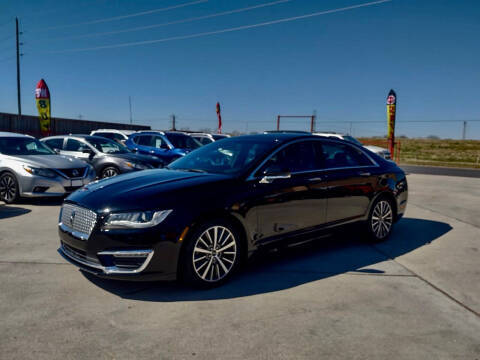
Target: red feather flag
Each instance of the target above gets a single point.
(219, 115)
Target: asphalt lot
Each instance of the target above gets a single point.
(416, 296)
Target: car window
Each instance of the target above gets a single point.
(183, 141)
(106, 146)
(23, 146)
(75, 145)
(336, 155)
(224, 157)
(55, 143)
(145, 140)
(158, 142)
(296, 157)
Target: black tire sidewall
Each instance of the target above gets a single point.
(371, 236)
(17, 189)
(186, 272)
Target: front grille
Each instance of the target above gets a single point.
(73, 173)
(80, 256)
(78, 220)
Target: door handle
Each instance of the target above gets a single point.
(315, 179)
(366, 173)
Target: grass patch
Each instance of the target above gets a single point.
(454, 153)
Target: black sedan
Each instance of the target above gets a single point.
(200, 218)
(109, 158)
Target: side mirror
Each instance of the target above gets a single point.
(272, 173)
(56, 150)
(89, 152)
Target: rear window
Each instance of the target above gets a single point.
(183, 141)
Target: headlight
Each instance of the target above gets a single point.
(40, 171)
(135, 220)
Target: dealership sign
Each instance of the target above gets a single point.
(42, 98)
(219, 115)
(391, 114)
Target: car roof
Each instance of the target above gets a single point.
(11, 134)
(149, 132)
(126, 132)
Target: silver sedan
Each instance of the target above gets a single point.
(29, 168)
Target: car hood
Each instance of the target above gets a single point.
(375, 149)
(147, 189)
(50, 161)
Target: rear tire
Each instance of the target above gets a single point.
(212, 254)
(380, 220)
(9, 191)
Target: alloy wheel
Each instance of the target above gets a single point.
(214, 253)
(109, 172)
(382, 219)
(8, 188)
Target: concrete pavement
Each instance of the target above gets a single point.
(415, 296)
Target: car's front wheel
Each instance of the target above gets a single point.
(212, 254)
(9, 191)
(110, 171)
(380, 220)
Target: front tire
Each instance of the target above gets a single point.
(380, 220)
(212, 254)
(109, 171)
(9, 191)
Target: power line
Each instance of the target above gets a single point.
(126, 16)
(238, 28)
(182, 21)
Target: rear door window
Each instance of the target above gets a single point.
(337, 155)
(145, 140)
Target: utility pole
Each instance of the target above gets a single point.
(464, 132)
(17, 34)
(130, 107)
(314, 125)
(173, 122)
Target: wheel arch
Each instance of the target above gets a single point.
(389, 196)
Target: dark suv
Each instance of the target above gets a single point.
(168, 146)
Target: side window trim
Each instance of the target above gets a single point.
(374, 163)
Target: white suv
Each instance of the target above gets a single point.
(376, 149)
(117, 135)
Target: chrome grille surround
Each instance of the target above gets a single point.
(77, 221)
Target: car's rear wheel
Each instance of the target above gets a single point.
(212, 255)
(380, 220)
(110, 171)
(9, 191)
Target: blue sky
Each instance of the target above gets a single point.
(341, 64)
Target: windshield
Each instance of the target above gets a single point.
(183, 141)
(23, 146)
(229, 156)
(107, 146)
(352, 140)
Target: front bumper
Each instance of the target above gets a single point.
(123, 255)
(39, 186)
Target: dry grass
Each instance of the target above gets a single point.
(456, 153)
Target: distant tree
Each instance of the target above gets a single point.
(403, 137)
(205, 130)
(184, 128)
(433, 137)
(253, 132)
(235, 133)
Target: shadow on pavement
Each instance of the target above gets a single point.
(291, 267)
(7, 211)
(46, 201)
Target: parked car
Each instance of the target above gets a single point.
(120, 136)
(168, 146)
(200, 218)
(220, 136)
(203, 138)
(28, 168)
(376, 149)
(108, 157)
